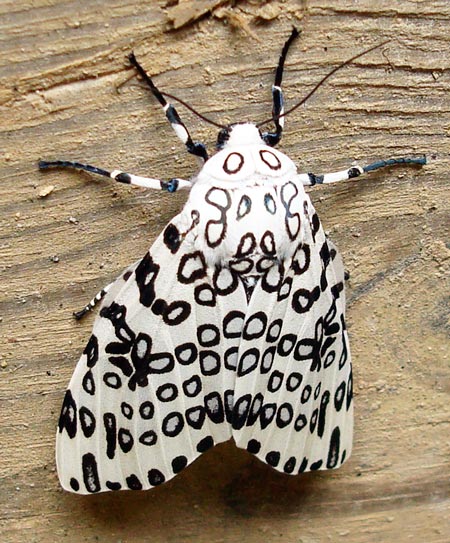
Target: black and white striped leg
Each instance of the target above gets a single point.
(311, 179)
(195, 148)
(122, 177)
(90, 306)
(272, 138)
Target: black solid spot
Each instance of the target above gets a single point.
(148, 438)
(294, 381)
(209, 362)
(167, 392)
(133, 482)
(111, 485)
(349, 390)
(255, 326)
(120, 362)
(337, 289)
(125, 440)
(248, 361)
(240, 411)
(303, 465)
(146, 273)
(204, 295)
(191, 268)
(316, 465)
(155, 477)
(127, 275)
(289, 466)
(159, 306)
(323, 413)
(123, 177)
(109, 421)
(273, 458)
(127, 410)
(74, 484)
(195, 416)
(87, 421)
(186, 353)
(172, 424)
(172, 238)
(193, 386)
(233, 324)
(179, 463)
(90, 473)
(267, 414)
(275, 381)
(214, 407)
(315, 222)
(205, 444)
(88, 383)
(68, 416)
(253, 446)
(285, 415)
(353, 172)
(208, 335)
(146, 410)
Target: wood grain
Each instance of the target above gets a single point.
(60, 66)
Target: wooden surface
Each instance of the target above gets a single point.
(61, 64)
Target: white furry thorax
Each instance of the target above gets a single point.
(246, 191)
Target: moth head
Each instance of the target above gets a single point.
(239, 134)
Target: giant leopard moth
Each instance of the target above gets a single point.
(231, 326)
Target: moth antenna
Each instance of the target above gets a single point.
(322, 81)
(192, 110)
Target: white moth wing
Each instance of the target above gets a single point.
(293, 395)
(154, 387)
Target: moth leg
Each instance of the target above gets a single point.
(90, 306)
(272, 138)
(195, 148)
(122, 177)
(310, 179)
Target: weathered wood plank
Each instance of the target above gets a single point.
(60, 64)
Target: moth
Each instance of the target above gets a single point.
(231, 326)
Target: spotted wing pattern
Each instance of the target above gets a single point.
(154, 386)
(293, 394)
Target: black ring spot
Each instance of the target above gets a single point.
(231, 170)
